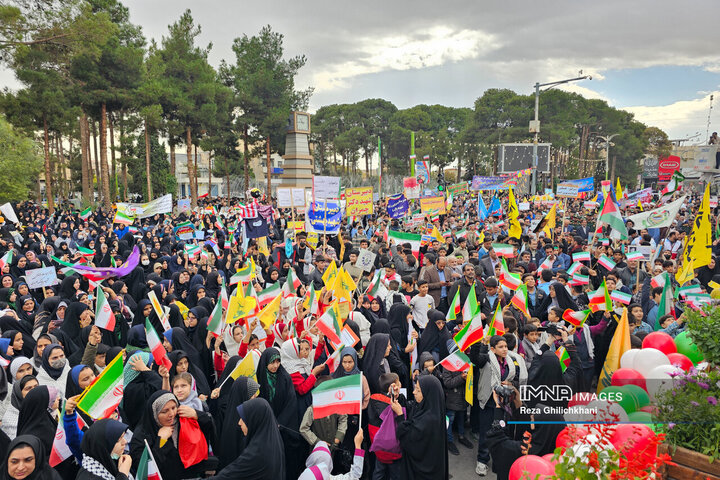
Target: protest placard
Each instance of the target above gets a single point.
(432, 205)
(325, 188)
(358, 201)
(41, 277)
(365, 260)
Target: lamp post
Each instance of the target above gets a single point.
(607, 151)
(535, 124)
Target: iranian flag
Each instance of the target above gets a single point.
(461, 233)
(333, 361)
(292, 283)
(606, 262)
(658, 280)
(470, 334)
(376, 286)
(497, 324)
(122, 218)
(456, 362)
(86, 252)
(156, 347)
(192, 250)
(600, 299)
(60, 449)
(577, 319)
(610, 214)
(574, 268)
(85, 214)
(581, 279)
(342, 396)
(690, 289)
(147, 468)
(504, 250)
(311, 302)
(621, 297)
(330, 324)
(104, 395)
(545, 265)
(244, 275)
(215, 322)
(666, 302)
(470, 308)
(267, 295)
(564, 357)
(104, 317)
(581, 257)
(6, 260)
(403, 237)
(637, 256)
(455, 306)
(520, 299)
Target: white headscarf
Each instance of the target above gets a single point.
(290, 358)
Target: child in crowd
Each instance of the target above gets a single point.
(421, 303)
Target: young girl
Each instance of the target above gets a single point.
(183, 386)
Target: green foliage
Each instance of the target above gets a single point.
(703, 332)
(162, 181)
(691, 413)
(19, 162)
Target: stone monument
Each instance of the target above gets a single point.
(298, 161)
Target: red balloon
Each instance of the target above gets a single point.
(660, 340)
(628, 376)
(533, 465)
(549, 458)
(563, 439)
(632, 439)
(577, 399)
(680, 360)
(648, 409)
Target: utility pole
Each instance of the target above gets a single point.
(607, 151)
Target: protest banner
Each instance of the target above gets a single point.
(397, 206)
(183, 205)
(457, 188)
(9, 213)
(567, 190)
(162, 204)
(41, 277)
(326, 188)
(411, 187)
(584, 184)
(359, 201)
(432, 205)
(365, 260)
(324, 217)
(422, 172)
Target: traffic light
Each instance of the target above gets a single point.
(441, 181)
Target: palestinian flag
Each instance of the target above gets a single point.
(621, 297)
(471, 307)
(244, 275)
(403, 237)
(610, 214)
(574, 318)
(86, 252)
(455, 307)
(147, 468)
(574, 268)
(504, 250)
(520, 299)
(156, 347)
(497, 325)
(6, 260)
(342, 396)
(637, 256)
(581, 257)
(215, 322)
(104, 316)
(104, 395)
(267, 295)
(456, 362)
(674, 185)
(564, 357)
(85, 214)
(122, 218)
(470, 334)
(330, 324)
(606, 262)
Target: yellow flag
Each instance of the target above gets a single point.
(640, 206)
(436, 235)
(330, 275)
(240, 307)
(263, 246)
(183, 309)
(515, 228)
(469, 386)
(268, 315)
(699, 246)
(344, 285)
(245, 368)
(686, 273)
(481, 237)
(550, 223)
(619, 344)
(618, 190)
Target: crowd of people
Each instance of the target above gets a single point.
(199, 421)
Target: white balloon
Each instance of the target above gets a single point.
(648, 358)
(577, 413)
(627, 359)
(661, 378)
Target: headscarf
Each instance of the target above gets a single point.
(340, 370)
(277, 331)
(42, 471)
(16, 398)
(319, 463)
(37, 359)
(54, 373)
(137, 337)
(278, 389)
(232, 440)
(290, 358)
(35, 416)
(563, 298)
(71, 323)
(72, 386)
(399, 328)
(545, 370)
(433, 338)
(202, 384)
(98, 442)
(192, 400)
(17, 363)
(374, 361)
(129, 373)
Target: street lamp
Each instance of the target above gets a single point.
(535, 124)
(607, 150)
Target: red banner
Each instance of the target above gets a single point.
(667, 167)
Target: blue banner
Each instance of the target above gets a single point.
(325, 216)
(490, 183)
(584, 184)
(397, 206)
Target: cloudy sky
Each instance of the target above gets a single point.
(656, 58)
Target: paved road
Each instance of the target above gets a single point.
(462, 467)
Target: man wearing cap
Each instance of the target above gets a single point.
(302, 255)
(390, 274)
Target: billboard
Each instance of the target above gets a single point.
(650, 168)
(518, 156)
(667, 166)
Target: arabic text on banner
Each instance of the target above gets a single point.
(432, 205)
(359, 201)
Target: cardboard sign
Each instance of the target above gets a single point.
(326, 187)
(359, 201)
(41, 277)
(567, 190)
(366, 260)
(646, 250)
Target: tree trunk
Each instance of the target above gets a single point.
(197, 189)
(123, 160)
(148, 172)
(112, 158)
(103, 157)
(245, 157)
(70, 188)
(210, 162)
(227, 181)
(190, 169)
(459, 175)
(367, 163)
(95, 149)
(48, 170)
(612, 170)
(84, 160)
(269, 168)
(60, 166)
(172, 159)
